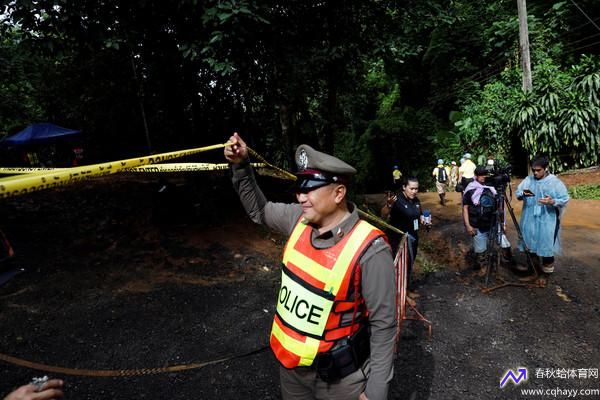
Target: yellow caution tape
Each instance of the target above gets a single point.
(20, 170)
(167, 167)
(36, 179)
(285, 174)
(378, 221)
(186, 167)
(23, 184)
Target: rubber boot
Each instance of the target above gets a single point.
(548, 268)
(442, 195)
(547, 271)
(482, 262)
(535, 260)
(508, 259)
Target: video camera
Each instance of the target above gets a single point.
(498, 176)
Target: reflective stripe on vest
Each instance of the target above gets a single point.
(312, 281)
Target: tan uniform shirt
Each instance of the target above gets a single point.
(436, 172)
(467, 169)
(377, 280)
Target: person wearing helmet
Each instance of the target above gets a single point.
(441, 175)
(466, 172)
(490, 164)
(396, 178)
(453, 175)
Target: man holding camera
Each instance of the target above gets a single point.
(544, 199)
(479, 215)
(335, 322)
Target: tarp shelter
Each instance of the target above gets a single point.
(43, 145)
(39, 134)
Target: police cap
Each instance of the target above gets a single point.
(316, 169)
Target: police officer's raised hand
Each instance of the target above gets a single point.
(238, 151)
(49, 391)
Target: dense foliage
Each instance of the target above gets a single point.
(377, 82)
(587, 192)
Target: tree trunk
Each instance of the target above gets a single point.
(524, 46)
(327, 138)
(286, 157)
(140, 96)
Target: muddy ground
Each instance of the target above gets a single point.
(120, 277)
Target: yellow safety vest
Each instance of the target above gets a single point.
(314, 294)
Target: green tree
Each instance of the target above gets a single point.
(562, 117)
(344, 76)
(20, 103)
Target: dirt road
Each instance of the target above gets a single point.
(112, 282)
(480, 336)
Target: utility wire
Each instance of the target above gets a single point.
(581, 40)
(482, 74)
(576, 28)
(488, 77)
(583, 47)
(583, 12)
(485, 76)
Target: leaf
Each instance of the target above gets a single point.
(216, 37)
(224, 16)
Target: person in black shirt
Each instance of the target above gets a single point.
(405, 213)
(479, 214)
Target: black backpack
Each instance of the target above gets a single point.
(442, 175)
(482, 215)
(486, 208)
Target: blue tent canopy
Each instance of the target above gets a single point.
(38, 133)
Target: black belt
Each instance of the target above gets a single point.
(346, 357)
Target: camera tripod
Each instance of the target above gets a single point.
(494, 244)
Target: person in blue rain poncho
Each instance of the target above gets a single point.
(544, 199)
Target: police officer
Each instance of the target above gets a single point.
(334, 328)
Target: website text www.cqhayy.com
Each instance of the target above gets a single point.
(558, 392)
